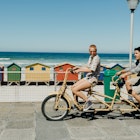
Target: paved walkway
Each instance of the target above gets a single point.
(24, 121)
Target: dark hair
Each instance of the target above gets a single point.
(137, 49)
(137, 62)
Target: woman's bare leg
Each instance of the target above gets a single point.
(76, 84)
(81, 86)
(128, 85)
(136, 96)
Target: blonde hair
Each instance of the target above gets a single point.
(93, 46)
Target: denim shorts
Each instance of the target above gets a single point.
(91, 79)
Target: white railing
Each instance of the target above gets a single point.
(22, 89)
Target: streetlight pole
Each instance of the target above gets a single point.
(131, 37)
(132, 6)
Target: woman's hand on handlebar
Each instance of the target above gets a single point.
(74, 70)
(118, 73)
(121, 75)
(119, 80)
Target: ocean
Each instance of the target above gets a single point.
(52, 58)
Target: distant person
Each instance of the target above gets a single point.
(130, 83)
(92, 69)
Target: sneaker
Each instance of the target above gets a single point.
(130, 99)
(87, 105)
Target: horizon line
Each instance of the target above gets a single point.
(61, 52)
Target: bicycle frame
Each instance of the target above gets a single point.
(108, 106)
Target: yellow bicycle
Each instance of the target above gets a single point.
(59, 103)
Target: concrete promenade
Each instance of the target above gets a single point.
(24, 121)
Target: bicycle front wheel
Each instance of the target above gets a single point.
(50, 112)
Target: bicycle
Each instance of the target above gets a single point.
(59, 103)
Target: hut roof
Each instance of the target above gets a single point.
(117, 65)
(37, 64)
(12, 65)
(65, 63)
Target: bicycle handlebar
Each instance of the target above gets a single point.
(115, 77)
(117, 81)
(66, 75)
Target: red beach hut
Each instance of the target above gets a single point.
(60, 73)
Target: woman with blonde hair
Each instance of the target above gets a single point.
(92, 69)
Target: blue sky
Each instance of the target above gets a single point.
(67, 25)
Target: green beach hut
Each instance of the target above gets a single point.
(13, 74)
(117, 67)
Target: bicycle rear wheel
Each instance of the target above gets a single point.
(50, 112)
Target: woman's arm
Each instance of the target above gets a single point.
(82, 69)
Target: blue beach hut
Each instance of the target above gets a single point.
(102, 70)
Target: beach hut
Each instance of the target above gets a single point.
(37, 73)
(60, 73)
(13, 74)
(1, 73)
(117, 67)
(102, 70)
